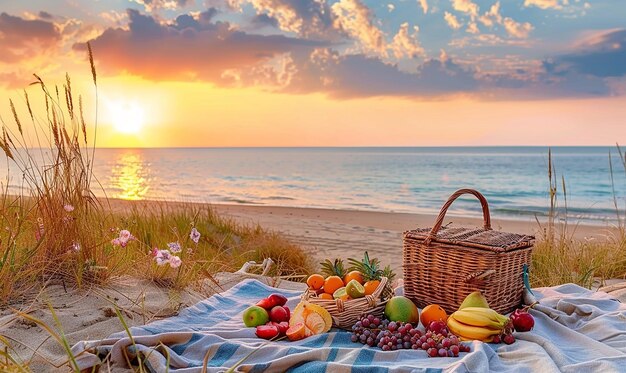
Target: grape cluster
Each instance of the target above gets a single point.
(391, 336)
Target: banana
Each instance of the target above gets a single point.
(478, 316)
(471, 332)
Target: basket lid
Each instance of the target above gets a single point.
(480, 238)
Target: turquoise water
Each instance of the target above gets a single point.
(514, 179)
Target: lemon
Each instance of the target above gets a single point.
(355, 290)
(341, 294)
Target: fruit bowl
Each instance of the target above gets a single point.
(346, 313)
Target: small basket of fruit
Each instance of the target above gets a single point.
(443, 264)
(348, 294)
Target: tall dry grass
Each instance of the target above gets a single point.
(56, 229)
(560, 258)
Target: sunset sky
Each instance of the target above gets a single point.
(328, 72)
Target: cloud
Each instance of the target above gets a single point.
(357, 20)
(517, 29)
(190, 48)
(603, 55)
(405, 44)
(544, 4)
(452, 21)
(263, 20)
(492, 16)
(22, 39)
(391, 7)
(303, 17)
(472, 28)
(45, 15)
(358, 75)
(465, 6)
(424, 5)
(157, 5)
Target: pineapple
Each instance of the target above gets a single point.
(370, 268)
(333, 269)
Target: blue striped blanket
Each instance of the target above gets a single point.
(576, 330)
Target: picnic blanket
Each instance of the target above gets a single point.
(576, 330)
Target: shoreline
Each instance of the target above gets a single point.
(330, 233)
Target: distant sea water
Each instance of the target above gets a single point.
(413, 180)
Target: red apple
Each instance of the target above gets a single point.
(277, 299)
(288, 312)
(278, 314)
(265, 303)
(267, 331)
(523, 322)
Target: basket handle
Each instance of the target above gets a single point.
(444, 209)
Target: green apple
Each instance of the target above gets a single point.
(255, 316)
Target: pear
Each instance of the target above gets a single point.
(475, 299)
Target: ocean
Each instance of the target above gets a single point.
(413, 180)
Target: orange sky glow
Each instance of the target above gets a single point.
(271, 90)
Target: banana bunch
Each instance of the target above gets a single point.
(477, 323)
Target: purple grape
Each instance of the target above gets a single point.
(425, 346)
(442, 352)
(455, 350)
(365, 323)
(392, 326)
(432, 352)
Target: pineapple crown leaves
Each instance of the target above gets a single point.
(389, 273)
(335, 268)
(370, 268)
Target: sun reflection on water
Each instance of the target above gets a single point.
(129, 176)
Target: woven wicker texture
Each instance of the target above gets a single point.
(443, 265)
(347, 313)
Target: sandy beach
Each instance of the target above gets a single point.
(333, 233)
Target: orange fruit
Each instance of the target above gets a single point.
(433, 312)
(315, 281)
(315, 319)
(332, 283)
(371, 286)
(326, 296)
(353, 275)
(296, 332)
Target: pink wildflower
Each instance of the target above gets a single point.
(174, 247)
(175, 261)
(68, 208)
(162, 257)
(123, 238)
(194, 235)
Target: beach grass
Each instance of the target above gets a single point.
(559, 257)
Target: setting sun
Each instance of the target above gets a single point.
(126, 117)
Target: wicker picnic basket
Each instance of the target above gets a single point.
(442, 265)
(347, 313)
